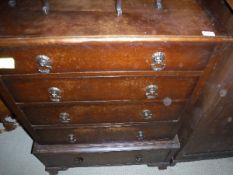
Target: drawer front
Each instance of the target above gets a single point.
(107, 154)
(161, 130)
(104, 158)
(106, 57)
(101, 113)
(106, 88)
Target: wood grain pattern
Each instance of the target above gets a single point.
(213, 109)
(109, 56)
(230, 2)
(140, 18)
(45, 114)
(156, 131)
(101, 63)
(31, 89)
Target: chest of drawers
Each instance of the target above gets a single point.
(95, 89)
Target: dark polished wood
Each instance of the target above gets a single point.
(34, 89)
(3, 110)
(117, 112)
(214, 109)
(106, 154)
(75, 19)
(102, 65)
(108, 56)
(118, 133)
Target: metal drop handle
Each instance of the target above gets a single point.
(72, 138)
(158, 61)
(12, 3)
(151, 91)
(44, 64)
(159, 4)
(54, 94)
(140, 135)
(147, 114)
(78, 160)
(45, 7)
(64, 117)
(139, 158)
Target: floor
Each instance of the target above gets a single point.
(15, 159)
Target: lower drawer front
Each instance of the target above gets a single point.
(101, 113)
(150, 153)
(110, 158)
(162, 130)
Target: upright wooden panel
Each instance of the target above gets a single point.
(211, 122)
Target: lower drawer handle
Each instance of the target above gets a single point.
(140, 135)
(72, 138)
(78, 160)
(139, 158)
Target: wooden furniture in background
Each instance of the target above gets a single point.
(6, 119)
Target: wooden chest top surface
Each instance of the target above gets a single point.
(88, 18)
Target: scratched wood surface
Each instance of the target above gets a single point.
(179, 17)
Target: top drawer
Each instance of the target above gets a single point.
(109, 56)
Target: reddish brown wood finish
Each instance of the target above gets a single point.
(14, 109)
(3, 110)
(31, 89)
(95, 18)
(45, 114)
(109, 56)
(156, 131)
(103, 62)
(210, 123)
(222, 13)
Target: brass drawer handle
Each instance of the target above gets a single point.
(158, 59)
(72, 138)
(44, 64)
(140, 135)
(64, 117)
(151, 91)
(55, 94)
(147, 114)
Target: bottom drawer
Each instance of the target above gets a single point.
(151, 153)
(97, 134)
